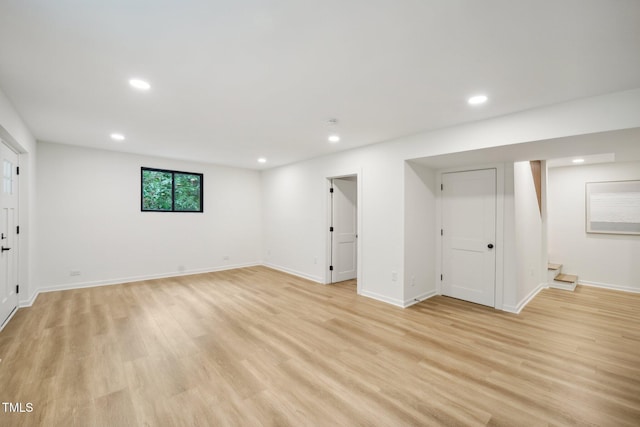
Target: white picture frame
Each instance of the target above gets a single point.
(613, 207)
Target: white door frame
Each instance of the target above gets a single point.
(499, 167)
(327, 198)
(345, 229)
(16, 244)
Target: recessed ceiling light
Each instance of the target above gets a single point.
(578, 160)
(139, 84)
(262, 160)
(117, 137)
(334, 138)
(477, 100)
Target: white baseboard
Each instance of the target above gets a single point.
(526, 300)
(294, 272)
(29, 301)
(392, 301)
(517, 309)
(609, 286)
(6, 321)
(373, 295)
(423, 296)
(108, 282)
(398, 303)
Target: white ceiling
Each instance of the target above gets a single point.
(236, 80)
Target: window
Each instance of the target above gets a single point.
(170, 191)
(8, 177)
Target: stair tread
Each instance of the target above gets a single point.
(566, 278)
(552, 266)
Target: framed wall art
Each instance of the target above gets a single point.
(613, 207)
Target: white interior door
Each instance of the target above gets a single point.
(8, 236)
(344, 247)
(469, 235)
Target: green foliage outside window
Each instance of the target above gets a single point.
(187, 193)
(171, 191)
(157, 187)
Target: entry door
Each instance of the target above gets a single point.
(8, 236)
(344, 247)
(469, 235)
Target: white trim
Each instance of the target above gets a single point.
(498, 301)
(383, 298)
(518, 308)
(328, 244)
(423, 296)
(609, 286)
(67, 287)
(294, 272)
(29, 302)
(6, 322)
(360, 247)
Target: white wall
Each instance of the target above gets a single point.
(419, 232)
(598, 259)
(510, 270)
(14, 132)
(529, 236)
(89, 220)
(288, 198)
(295, 218)
(294, 202)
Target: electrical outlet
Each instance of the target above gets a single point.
(394, 276)
(225, 258)
(315, 260)
(74, 273)
(413, 281)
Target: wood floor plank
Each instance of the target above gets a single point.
(254, 346)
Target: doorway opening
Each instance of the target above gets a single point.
(343, 247)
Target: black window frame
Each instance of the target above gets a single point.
(173, 189)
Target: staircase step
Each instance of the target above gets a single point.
(569, 278)
(567, 282)
(557, 279)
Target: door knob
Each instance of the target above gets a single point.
(5, 249)
(490, 245)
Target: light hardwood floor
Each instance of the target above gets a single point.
(258, 347)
